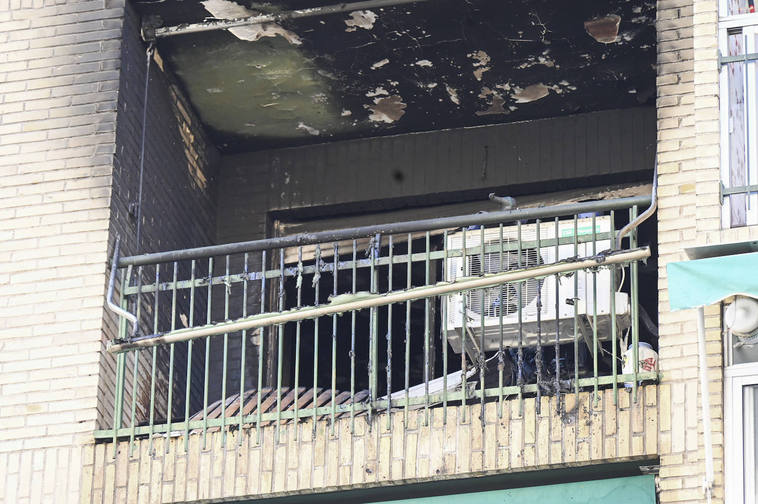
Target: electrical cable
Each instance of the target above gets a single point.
(149, 53)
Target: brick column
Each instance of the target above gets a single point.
(688, 153)
(59, 73)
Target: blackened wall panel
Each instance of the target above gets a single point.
(178, 202)
(385, 172)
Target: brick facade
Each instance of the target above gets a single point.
(584, 432)
(69, 120)
(59, 73)
(68, 174)
(689, 215)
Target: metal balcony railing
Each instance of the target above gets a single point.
(738, 45)
(398, 317)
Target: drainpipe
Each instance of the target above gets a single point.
(705, 405)
(109, 296)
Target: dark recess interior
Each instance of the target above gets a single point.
(354, 338)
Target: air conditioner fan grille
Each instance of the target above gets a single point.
(491, 301)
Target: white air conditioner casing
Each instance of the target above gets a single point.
(482, 307)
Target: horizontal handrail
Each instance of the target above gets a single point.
(385, 229)
(363, 301)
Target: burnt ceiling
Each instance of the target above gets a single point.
(415, 67)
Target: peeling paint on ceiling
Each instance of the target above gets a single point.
(360, 19)
(308, 129)
(605, 29)
(453, 94)
(495, 102)
(530, 93)
(415, 67)
(387, 110)
(481, 59)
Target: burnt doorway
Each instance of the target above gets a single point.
(341, 344)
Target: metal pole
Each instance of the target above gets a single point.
(111, 284)
(225, 24)
(368, 300)
(705, 404)
(385, 229)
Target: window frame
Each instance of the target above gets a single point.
(748, 23)
(735, 378)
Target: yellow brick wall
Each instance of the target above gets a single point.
(688, 215)
(63, 199)
(56, 146)
(58, 79)
(584, 432)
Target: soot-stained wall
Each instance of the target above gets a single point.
(178, 188)
(429, 168)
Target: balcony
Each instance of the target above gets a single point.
(391, 324)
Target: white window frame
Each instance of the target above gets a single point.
(749, 25)
(735, 378)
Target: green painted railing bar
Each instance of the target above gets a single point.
(409, 264)
(298, 327)
(171, 359)
(389, 332)
(614, 335)
(352, 345)
(427, 335)
(316, 284)
(634, 307)
(501, 350)
(576, 310)
(482, 311)
(335, 291)
(243, 352)
(538, 359)
(289, 272)
(520, 359)
(464, 333)
(594, 308)
(207, 360)
(444, 303)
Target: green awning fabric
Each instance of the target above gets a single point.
(631, 490)
(706, 281)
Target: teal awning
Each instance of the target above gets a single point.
(703, 282)
(631, 490)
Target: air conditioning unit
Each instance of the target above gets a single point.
(482, 308)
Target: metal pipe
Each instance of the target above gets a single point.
(367, 300)
(705, 404)
(111, 283)
(644, 215)
(225, 24)
(386, 229)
